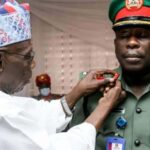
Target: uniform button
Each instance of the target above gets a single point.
(138, 110)
(137, 142)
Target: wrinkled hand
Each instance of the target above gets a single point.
(113, 96)
(85, 86)
(107, 74)
(90, 84)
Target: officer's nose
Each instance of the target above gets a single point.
(133, 43)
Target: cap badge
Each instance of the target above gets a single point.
(134, 4)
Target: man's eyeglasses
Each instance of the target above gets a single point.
(29, 56)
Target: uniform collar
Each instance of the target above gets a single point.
(126, 87)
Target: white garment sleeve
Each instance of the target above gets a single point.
(36, 119)
(80, 137)
(30, 124)
(56, 117)
(49, 115)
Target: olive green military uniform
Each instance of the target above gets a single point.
(135, 110)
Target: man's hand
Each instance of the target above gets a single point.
(86, 86)
(114, 96)
(90, 83)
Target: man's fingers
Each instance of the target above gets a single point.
(114, 91)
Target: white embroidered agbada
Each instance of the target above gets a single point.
(27, 124)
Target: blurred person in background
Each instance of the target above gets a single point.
(43, 82)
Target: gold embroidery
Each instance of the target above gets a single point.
(138, 22)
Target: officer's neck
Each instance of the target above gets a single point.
(137, 81)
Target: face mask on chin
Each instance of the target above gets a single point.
(45, 91)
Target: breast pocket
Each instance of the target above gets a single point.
(109, 127)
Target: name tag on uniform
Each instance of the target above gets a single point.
(115, 143)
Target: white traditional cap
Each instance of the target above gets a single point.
(14, 22)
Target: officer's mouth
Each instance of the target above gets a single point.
(133, 58)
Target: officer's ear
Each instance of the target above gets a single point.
(1, 63)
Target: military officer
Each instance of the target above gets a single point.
(129, 123)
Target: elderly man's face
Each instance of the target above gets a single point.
(132, 47)
(15, 66)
